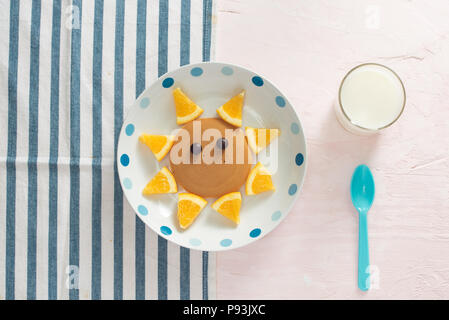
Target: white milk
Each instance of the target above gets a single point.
(372, 97)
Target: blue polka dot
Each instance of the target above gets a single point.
(142, 210)
(127, 183)
(280, 101)
(124, 160)
(168, 82)
(129, 130)
(166, 230)
(255, 233)
(196, 72)
(276, 216)
(144, 102)
(299, 159)
(292, 189)
(257, 81)
(227, 71)
(225, 242)
(195, 242)
(295, 128)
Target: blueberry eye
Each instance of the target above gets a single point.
(222, 143)
(195, 148)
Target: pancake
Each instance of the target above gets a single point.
(214, 171)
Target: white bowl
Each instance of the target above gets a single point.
(210, 85)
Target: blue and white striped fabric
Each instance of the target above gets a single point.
(69, 71)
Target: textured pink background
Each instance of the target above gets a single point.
(305, 48)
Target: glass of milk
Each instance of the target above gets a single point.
(371, 98)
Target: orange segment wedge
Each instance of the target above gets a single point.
(159, 145)
(260, 138)
(162, 182)
(186, 109)
(229, 206)
(259, 180)
(231, 111)
(189, 207)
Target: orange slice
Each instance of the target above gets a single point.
(259, 180)
(186, 109)
(229, 206)
(260, 138)
(189, 207)
(231, 111)
(159, 145)
(162, 182)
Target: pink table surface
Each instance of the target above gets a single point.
(305, 48)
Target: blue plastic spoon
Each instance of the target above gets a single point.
(362, 195)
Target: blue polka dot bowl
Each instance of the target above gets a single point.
(210, 85)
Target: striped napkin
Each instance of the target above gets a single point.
(70, 69)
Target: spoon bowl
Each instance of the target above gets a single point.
(362, 188)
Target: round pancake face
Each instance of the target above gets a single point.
(210, 157)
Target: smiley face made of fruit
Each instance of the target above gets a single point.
(209, 179)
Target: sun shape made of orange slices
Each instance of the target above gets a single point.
(190, 205)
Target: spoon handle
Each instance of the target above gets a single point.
(364, 281)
